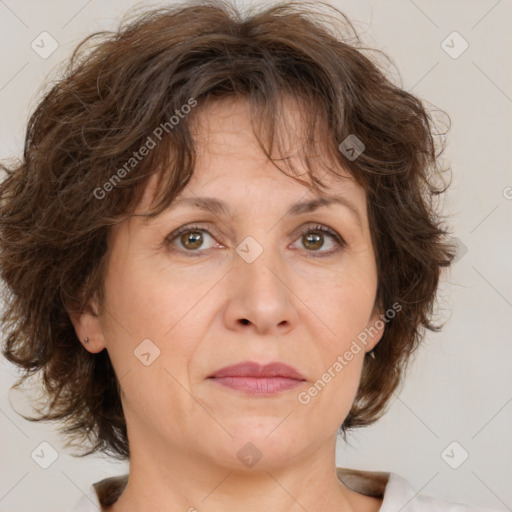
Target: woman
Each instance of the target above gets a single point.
(220, 251)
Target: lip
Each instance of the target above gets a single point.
(253, 369)
(255, 379)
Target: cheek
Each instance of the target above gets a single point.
(344, 301)
(145, 299)
(151, 310)
(150, 341)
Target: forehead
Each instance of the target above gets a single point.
(229, 154)
(231, 126)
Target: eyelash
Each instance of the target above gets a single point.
(308, 229)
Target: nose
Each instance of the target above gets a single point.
(260, 299)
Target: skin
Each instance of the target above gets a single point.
(304, 310)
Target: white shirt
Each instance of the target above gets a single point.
(397, 493)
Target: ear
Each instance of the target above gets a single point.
(88, 327)
(375, 327)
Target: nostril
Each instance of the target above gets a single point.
(245, 321)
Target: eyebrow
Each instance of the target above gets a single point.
(219, 207)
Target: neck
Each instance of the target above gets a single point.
(177, 480)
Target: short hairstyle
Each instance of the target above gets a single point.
(121, 89)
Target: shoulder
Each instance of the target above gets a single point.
(101, 494)
(397, 493)
(400, 495)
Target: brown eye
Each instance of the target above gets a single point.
(190, 239)
(314, 239)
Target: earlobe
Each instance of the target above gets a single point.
(376, 328)
(88, 329)
(92, 346)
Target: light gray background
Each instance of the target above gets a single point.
(459, 387)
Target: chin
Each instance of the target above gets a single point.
(262, 443)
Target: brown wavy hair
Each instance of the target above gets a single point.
(116, 89)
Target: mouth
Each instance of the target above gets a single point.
(254, 379)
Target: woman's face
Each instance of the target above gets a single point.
(253, 283)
